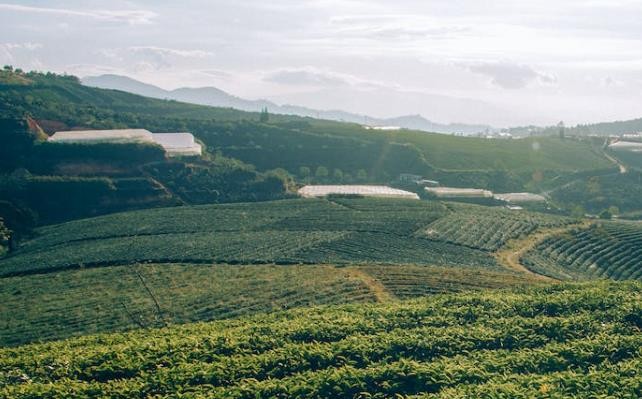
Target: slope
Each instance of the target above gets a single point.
(562, 341)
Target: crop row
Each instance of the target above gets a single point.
(607, 250)
(54, 306)
(457, 341)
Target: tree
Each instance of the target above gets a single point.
(338, 175)
(265, 116)
(561, 129)
(304, 171)
(322, 172)
(362, 175)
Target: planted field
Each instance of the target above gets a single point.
(108, 299)
(604, 250)
(344, 231)
(410, 281)
(560, 341)
(488, 228)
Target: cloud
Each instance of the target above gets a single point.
(508, 75)
(164, 51)
(305, 77)
(19, 53)
(392, 27)
(132, 17)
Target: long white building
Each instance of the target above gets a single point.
(364, 190)
(174, 144)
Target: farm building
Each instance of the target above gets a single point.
(520, 197)
(454, 192)
(364, 190)
(103, 136)
(174, 144)
(634, 146)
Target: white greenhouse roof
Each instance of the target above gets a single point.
(520, 197)
(178, 144)
(174, 140)
(454, 192)
(107, 136)
(365, 190)
(627, 145)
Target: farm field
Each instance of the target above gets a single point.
(59, 305)
(603, 250)
(488, 228)
(342, 231)
(579, 340)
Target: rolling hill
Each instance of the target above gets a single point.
(559, 341)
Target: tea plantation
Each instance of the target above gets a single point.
(559, 341)
(339, 231)
(603, 250)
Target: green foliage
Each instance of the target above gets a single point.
(561, 341)
(488, 228)
(338, 230)
(604, 250)
(598, 193)
(87, 301)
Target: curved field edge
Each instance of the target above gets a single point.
(596, 251)
(118, 298)
(544, 341)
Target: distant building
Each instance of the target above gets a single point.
(454, 192)
(428, 183)
(311, 191)
(174, 144)
(409, 178)
(633, 146)
(520, 197)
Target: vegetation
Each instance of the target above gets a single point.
(488, 228)
(603, 250)
(554, 342)
(345, 231)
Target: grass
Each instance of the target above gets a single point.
(579, 341)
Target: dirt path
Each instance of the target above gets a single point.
(379, 290)
(511, 254)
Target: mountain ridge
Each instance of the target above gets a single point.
(216, 97)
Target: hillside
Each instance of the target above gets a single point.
(186, 264)
(298, 141)
(561, 341)
(215, 97)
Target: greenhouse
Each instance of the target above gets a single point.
(455, 192)
(520, 197)
(364, 190)
(103, 136)
(176, 144)
(627, 146)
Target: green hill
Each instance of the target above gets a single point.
(298, 142)
(603, 250)
(336, 230)
(561, 341)
(186, 264)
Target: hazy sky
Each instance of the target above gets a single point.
(499, 62)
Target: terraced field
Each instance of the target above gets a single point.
(283, 232)
(85, 301)
(69, 303)
(604, 250)
(488, 228)
(178, 265)
(580, 341)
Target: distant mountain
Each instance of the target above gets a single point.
(219, 98)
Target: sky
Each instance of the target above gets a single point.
(504, 63)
